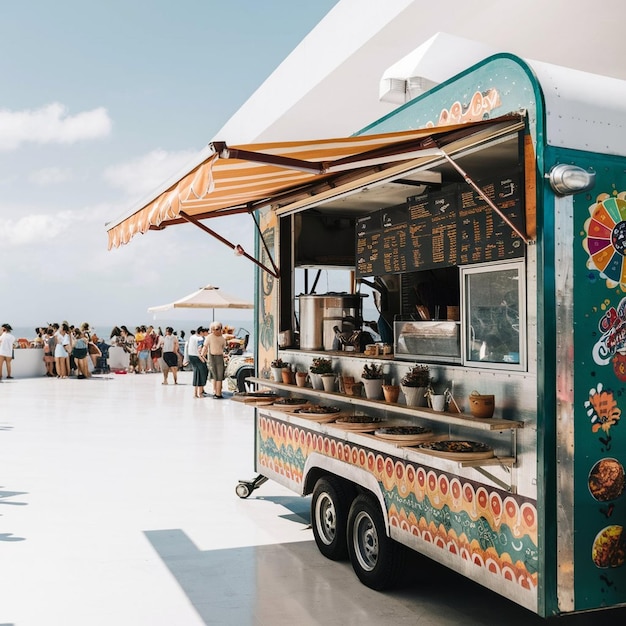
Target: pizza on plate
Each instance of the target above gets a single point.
(359, 419)
(456, 446)
(290, 401)
(318, 410)
(403, 430)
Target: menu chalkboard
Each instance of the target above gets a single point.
(450, 226)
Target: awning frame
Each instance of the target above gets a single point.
(484, 196)
(258, 176)
(236, 248)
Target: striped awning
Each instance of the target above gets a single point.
(241, 179)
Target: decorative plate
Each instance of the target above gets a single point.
(316, 413)
(457, 449)
(361, 423)
(404, 434)
(290, 403)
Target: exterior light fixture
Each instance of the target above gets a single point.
(566, 180)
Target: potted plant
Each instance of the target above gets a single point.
(415, 383)
(372, 377)
(277, 366)
(320, 366)
(391, 392)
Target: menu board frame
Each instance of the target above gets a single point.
(452, 225)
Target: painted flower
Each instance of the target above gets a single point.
(602, 409)
(619, 366)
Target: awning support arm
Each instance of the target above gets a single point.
(238, 249)
(224, 152)
(482, 194)
(276, 273)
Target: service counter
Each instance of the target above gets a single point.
(27, 363)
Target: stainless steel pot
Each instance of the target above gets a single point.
(320, 313)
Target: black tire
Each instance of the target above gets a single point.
(242, 374)
(329, 518)
(376, 559)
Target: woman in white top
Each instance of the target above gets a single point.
(62, 351)
(6, 349)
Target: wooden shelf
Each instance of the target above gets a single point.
(505, 461)
(457, 419)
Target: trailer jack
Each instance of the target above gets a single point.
(245, 487)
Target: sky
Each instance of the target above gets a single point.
(100, 103)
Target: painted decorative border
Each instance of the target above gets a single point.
(481, 525)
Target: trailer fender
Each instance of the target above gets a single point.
(318, 465)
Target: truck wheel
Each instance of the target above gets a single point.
(376, 559)
(329, 518)
(242, 374)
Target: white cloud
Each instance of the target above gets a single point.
(51, 124)
(50, 176)
(63, 226)
(32, 229)
(147, 173)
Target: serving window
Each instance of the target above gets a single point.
(494, 315)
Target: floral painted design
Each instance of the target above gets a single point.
(605, 242)
(602, 409)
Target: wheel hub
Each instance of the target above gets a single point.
(327, 519)
(366, 542)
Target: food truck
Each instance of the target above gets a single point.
(487, 218)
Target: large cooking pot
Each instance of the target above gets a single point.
(320, 313)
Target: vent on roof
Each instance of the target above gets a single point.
(392, 90)
(435, 61)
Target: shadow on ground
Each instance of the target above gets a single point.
(4, 495)
(245, 585)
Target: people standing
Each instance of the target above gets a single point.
(6, 349)
(127, 341)
(62, 351)
(197, 361)
(94, 352)
(80, 352)
(156, 347)
(49, 344)
(171, 352)
(213, 350)
(144, 344)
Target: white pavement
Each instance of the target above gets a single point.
(118, 508)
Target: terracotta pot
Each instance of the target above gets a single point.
(391, 392)
(287, 376)
(353, 389)
(301, 379)
(343, 382)
(481, 405)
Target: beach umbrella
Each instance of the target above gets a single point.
(208, 297)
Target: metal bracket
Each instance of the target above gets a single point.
(484, 196)
(274, 271)
(496, 480)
